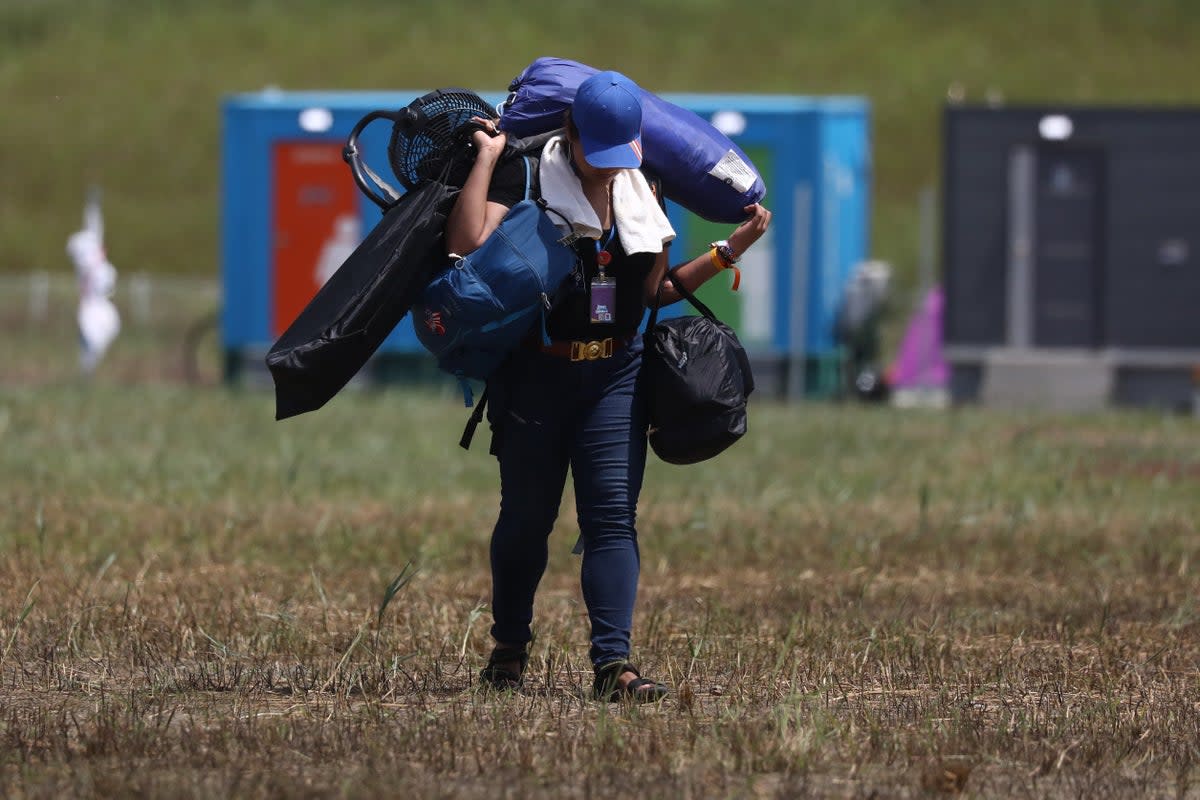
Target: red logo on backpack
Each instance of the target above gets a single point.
(433, 321)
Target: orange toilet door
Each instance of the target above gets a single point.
(314, 193)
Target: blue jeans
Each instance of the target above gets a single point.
(547, 414)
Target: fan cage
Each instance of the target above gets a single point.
(426, 136)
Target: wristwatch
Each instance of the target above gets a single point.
(725, 252)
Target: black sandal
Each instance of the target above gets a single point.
(498, 676)
(607, 686)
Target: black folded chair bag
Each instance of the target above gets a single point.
(352, 314)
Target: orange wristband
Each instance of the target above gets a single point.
(721, 264)
(716, 259)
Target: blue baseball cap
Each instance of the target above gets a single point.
(607, 111)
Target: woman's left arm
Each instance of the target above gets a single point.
(695, 272)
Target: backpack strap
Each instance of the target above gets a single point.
(473, 422)
(532, 144)
(531, 193)
(528, 177)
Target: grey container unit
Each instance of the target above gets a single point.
(1071, 255)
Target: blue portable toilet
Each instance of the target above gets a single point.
(814, 156)
(290, 213)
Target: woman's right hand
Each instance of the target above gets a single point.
(491, 139)
(474, 217)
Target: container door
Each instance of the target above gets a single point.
(316, 223)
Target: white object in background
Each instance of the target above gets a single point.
(866, 292)
(315, 120)
(758, 292)
(1056, 127)
(97, 317)
(347, 234)
(730, 123)
(99, 324)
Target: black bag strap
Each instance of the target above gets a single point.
(473, 421)
(531, 144)
(481, 406)
(673, 275)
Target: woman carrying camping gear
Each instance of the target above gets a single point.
(576, 402)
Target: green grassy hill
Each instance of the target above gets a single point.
(125, 93)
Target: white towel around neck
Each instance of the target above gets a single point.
(641, 224)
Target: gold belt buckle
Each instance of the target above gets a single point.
(591, 351)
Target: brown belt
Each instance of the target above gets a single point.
(581, 350)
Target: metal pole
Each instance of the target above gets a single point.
(926, 231)
(39, 295)
(801, 267)
(139, 292)
(1022, 165)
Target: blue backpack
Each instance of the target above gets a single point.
(477, 310)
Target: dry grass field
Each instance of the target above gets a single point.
(197, 601)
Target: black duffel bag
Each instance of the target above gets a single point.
(696, 377)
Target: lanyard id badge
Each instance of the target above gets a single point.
(603, 289)
(604, 298)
